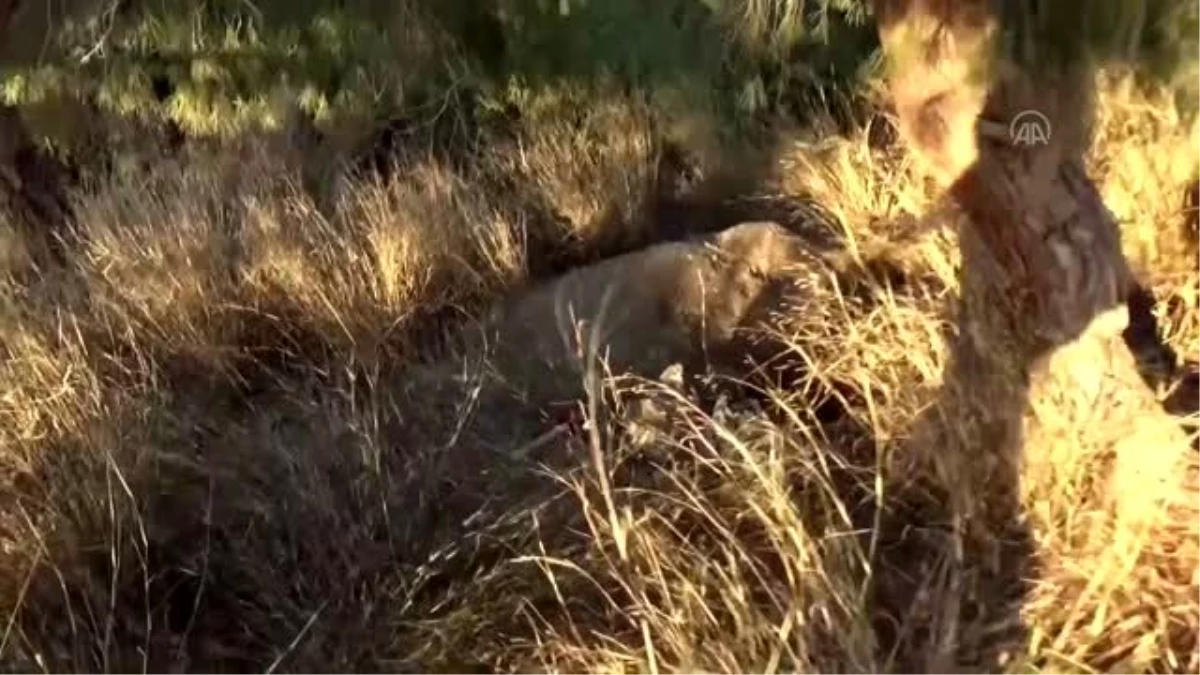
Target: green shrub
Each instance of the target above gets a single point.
(224, 67)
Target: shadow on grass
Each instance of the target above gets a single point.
(332, 517)
(372, 80)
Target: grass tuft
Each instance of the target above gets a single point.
(241, 428)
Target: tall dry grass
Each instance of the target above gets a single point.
(226, 441)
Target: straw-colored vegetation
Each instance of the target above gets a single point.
(239, 428)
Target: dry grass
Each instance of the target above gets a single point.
(225, 443)
(588, 160)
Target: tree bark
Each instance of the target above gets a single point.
(1044, 283)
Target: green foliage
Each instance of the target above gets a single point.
(224, 67)
(1157, 39)
(229, 66)
(1170, 48)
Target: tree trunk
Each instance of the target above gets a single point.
(1044, 282)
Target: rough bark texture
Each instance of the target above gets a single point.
(1048, 242)
(1042, 255)
(1043, 284)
